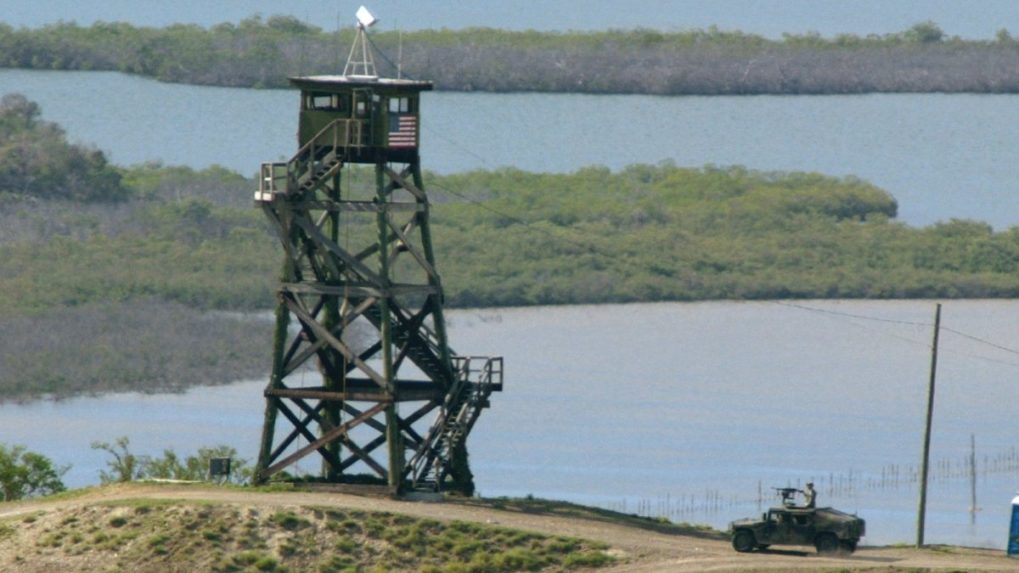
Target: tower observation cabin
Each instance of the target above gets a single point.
(370, 119)
(363, 378)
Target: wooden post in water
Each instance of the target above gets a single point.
(972, 478)
(925, 460)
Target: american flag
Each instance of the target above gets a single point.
(403, 130)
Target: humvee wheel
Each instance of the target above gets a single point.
(826, 544)
(743, 541)
(848, 546)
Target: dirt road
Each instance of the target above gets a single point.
(639, 550)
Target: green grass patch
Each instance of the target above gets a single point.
(289, 521)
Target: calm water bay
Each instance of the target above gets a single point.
(941, 156)
(692, 411)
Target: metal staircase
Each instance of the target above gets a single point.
(322, 157)
(414, 341)
(433, 462)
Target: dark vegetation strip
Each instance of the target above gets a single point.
(108, 287)
(262, 53)
(646, 233)
(142, 345)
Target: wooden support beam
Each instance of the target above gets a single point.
(358, 454)
(351, 261)
(318, 239)
(363, 455)
(368, 448)
(406, 423)
(326, 438)
(277, 224)
(290, 363)
(407, 391)
(401, 178)
(372, 422)
(359, 206)
(285, 443)
(360, 290)
(314, 346)
(420, 258)
(336, 343)
(308, 435)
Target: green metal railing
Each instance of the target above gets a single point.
(322, 153)
(430, 464)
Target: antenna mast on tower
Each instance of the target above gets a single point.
(361, 62)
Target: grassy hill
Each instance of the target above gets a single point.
(214, 532)
(137, 527)
(163, 535)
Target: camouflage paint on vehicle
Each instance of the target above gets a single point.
(828, 530)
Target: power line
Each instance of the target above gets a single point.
(457, 144)
(981, 340)
(463, 148)
(913, 323)
(387, 58)
(482, 205)
(578, 242)
(983, 358)
(851, 315)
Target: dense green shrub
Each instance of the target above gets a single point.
(25, 473)
(124, 465)
(508, 237)
(36, 160)
(215, 184)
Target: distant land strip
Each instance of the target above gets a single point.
(262, 53)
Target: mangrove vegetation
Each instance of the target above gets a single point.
(259, 52)
(160, 277)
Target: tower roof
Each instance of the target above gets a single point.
(332, 83)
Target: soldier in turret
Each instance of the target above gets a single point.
(809, 496)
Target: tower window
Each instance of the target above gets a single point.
(325, 102)
(400, 105)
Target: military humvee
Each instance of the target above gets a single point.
(829, 530)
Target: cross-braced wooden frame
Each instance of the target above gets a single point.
(356, 262)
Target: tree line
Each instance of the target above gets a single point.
(260, 52)
(25, 473)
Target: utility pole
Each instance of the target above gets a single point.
(925, 462)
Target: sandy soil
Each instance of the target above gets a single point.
(639, 550)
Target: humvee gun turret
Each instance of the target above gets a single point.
(828, 530)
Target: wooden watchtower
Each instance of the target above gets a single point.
(360, 282)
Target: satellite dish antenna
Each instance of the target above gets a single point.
(365, 19)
